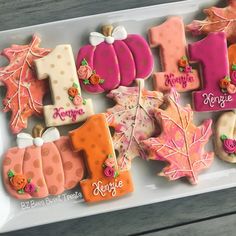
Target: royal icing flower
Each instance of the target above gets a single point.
(18, 181)
(72, 91)
(224, 83)
(188, 69)
(110, 162)
(109, 171)
(94, 79)
(84, 72)
(233, 77)
(229, 145)
(231, 89)
(77, 100)
(30, 188)
(183, 62)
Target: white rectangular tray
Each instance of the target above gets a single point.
(149, 188)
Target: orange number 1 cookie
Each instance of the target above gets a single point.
(104, 181)
(68, 107)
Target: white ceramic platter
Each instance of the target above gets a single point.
(149, 188)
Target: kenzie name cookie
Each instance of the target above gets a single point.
(68, 105)
(170, 37)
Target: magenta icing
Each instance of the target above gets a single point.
(119, 63)
(212, 53)
(229, 145)
(61, 113)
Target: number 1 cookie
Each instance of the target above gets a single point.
(68, 105)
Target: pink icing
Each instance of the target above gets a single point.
(233, 77)
(229, 145)
(109, 171)
(170, 38)
(118, 63)
(211, 52)
(61, 113)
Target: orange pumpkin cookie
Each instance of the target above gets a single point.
(41, 166)
(104, 181)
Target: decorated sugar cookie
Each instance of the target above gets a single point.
(68, 105)
(105, 181)
(177, 72)
(24, 92)
(218, 89)
(113, 58)
(217, 20)
(181, 143)
(225, 137)
(133, 120)
(41, 166)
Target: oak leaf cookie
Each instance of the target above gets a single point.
(113, 58)
(181, 143)
(24, 92)
(41, 166)
(133, 120)
(224, 138)
(217, 20)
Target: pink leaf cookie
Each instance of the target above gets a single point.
(47, 163)
(24, 92)
(177, 72)
(217, 20)
(133, 120)
(181, 143)
(115, 57)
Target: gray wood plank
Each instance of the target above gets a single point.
(143, 219)
(224, 226)
(20, 13)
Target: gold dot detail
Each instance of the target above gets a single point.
(58, 56)
(62, 72)
(58, 97)
(55, 81)
(52, 65)
(68, 104)
(66, 48)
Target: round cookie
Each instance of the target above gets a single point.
(224, 139)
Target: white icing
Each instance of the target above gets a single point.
(24, 140)
(102, 189)
(119, 33)
(210, 99)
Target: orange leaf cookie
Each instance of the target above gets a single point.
(24, 92)
(217, 20)
(104, 180)
(133, 120)
(181, 143)
(41, 166)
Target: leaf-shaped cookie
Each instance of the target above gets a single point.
(133, 120)
(180, 143)
(218, 19)
(24, 91)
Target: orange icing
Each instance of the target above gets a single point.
(95, 140)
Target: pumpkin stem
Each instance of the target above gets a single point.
(38, 130)
(107, 30)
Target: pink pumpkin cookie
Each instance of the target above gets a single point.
(41, 166)
(24, 92)
(181, 143)
(218, 91)
(177, 73)
(113, 58)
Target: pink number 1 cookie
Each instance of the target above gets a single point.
(170, 37)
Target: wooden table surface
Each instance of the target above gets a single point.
(205, 214)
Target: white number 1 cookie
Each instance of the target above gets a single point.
(68, 105)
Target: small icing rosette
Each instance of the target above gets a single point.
(109, 166)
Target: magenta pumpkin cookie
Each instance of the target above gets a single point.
(41, 166)
(113, 58)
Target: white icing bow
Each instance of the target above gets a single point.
(24, 140)
(119, 33)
